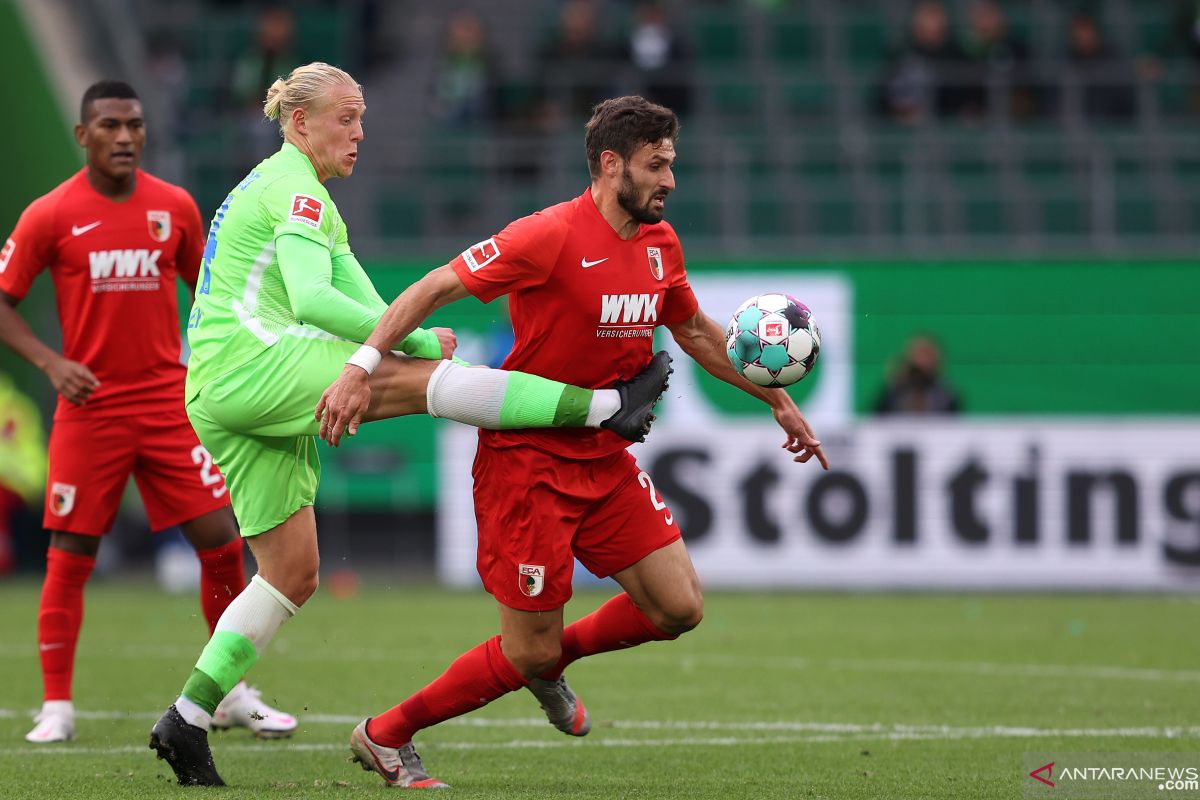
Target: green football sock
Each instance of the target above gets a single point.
(225, 659)
(531, 401)
(499, 399)
(242, 634)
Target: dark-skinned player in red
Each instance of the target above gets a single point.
(588, 281)
(115, 239)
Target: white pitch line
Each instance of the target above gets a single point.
(895, 735)
(692, 662)
(815, 732)
(981, 668)
(1020, 670)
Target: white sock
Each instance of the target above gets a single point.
(193, 714)
(605, 403)
(474, 396)
(58, 707)
(257, 613)
(466, 394)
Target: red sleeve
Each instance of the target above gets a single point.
(680, 302)
(191, 245)
(520, 256)
(28, 251)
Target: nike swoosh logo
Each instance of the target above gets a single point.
(52, 646)
(79, 230)
(583, 262)
(390, 775)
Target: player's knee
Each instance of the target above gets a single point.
(307, 586)
(532, 657)
(681, 615)
(75, 543)
(296, 584)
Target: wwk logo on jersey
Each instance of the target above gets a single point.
(307, 210)
(6, 253)
(478, 256)
(532, 579)
(124, 270)
(62, 499)
(624, 316)
(160, 225)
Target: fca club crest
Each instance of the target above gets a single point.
(532, 577)
(160, 225)
(62, 499)
(655, 256)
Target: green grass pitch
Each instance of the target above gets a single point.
(774, 696)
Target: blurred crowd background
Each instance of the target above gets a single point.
(1004, 191)
(866, 124)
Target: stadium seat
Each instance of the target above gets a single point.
(981, 195)
(718, 35)
(866, 39)
(736, 99)
(401, 213)
(835, 213)
(1137, 204)
(809, 99)
(793, 38)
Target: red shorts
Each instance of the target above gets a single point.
(91, 460)
(537, 513)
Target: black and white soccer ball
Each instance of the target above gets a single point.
(773, 340)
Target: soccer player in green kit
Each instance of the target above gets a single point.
(280, 309)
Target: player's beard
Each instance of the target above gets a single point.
(627, 198)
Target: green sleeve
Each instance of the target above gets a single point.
(307, 274)
(351, 279)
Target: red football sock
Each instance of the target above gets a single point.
(59, 618)
(222, 578)
(476, 678)
(613, 626)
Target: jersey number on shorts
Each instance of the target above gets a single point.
(200, 456)
(659, 505)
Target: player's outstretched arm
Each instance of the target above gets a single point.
(351, 279)
(343, 404)
(437, 288)
(702, 339)
(71, 379)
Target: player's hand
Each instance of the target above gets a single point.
(72, 380)
(342, 406)
(447, 340)
(800, 437)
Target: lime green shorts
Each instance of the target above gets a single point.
(257, 422)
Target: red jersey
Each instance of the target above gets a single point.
(114, 266)
(584, 305)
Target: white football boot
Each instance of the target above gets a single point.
(55, 723)
(400, 767)
(243, 707)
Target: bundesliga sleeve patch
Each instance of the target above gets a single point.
(307, 210)
(480, 255)
(6, 253)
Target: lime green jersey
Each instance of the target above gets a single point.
(242, 305)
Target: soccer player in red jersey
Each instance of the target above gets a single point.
(115, 238)
(588, 282)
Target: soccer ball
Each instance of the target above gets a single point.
(772, 340)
